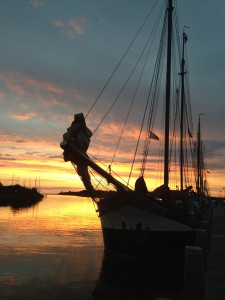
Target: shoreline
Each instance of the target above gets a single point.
(17, 196)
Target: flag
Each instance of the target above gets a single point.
(208, 172)
(153, 136)
(185, 37)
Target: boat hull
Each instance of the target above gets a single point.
(133, 232)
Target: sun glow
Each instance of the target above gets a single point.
(40, 163)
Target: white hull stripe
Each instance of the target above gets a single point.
(130, 218)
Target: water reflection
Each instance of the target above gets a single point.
(52, 251)
(68, 221)
(121, 278)
(53, 274)
(18, 206)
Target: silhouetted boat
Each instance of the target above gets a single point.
(135, 222)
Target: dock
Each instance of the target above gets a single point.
(215, 273)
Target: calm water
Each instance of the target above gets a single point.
(51, 251)
(55, 251)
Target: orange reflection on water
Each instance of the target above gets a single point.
(54, 248)
(71, 212)
(57, 221)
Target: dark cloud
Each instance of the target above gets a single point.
(20, 141)
(7, 158)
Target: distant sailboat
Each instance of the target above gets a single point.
(201, 182)
(135, 222)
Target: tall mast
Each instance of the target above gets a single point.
(182, 73)
(168, 83)
(199, 183)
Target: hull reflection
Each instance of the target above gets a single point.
(150, 278)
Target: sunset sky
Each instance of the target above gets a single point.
(55, 57)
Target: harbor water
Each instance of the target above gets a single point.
(54, 250)
(50, 251)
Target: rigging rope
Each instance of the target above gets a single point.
(153, 93)
(117, 66)
(153, 33)
(123, 87)
(147, 103)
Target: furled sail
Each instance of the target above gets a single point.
(75, 145)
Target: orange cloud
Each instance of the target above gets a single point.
(43, 92)
(73, 27)
(18, 82)
(22, 117)
(77, 24)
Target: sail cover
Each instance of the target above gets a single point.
(78, 137)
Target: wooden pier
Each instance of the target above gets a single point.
(215, 274)
(204, 274)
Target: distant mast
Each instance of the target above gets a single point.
(199, 182)
(168, 84)
(182, 73)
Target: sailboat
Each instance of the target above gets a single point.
(134, 221)
(202, 188)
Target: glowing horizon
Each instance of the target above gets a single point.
(56, 176)
(45, 81)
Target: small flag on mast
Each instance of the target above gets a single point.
(153, 136)
(185, 37)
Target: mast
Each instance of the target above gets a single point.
(168, 84)
(199, 182)
(182, 73)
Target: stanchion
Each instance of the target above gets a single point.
(201, 241)
(194, 281)
(205, 225)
